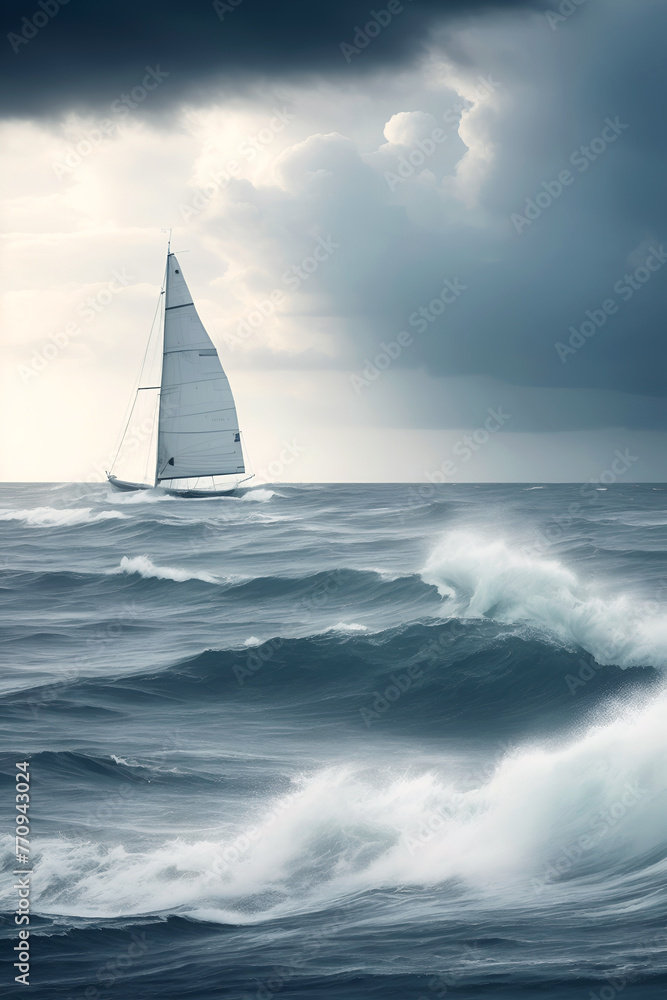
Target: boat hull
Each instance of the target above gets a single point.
(199, 494)
(125, 487)
(119, 484)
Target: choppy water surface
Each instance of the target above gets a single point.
(339, 741)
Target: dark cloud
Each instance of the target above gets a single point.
(532, 313)
(87, 53)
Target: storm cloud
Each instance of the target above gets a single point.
(560, 245)
(59, 56)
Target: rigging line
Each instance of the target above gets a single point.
(127, 424)
(157, 344)
(150, 443)
(133, 396)
(244, 455)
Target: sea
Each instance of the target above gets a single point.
(349, 742)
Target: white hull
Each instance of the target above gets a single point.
(125, 487)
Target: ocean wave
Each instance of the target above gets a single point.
(309, 593)
(48, 517)
(140, 497)
(348, 627)
(259, 495)
(483, 681)
(483, 578)
(636, 519)
(79, 767)
(104, 773)
(316, 590)
(144, 567)
(579, 820)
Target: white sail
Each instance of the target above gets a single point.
(198, 431)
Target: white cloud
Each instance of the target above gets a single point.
(407, 127)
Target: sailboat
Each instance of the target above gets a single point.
(198, 436)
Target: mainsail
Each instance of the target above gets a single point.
(198, 431)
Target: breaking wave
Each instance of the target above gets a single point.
(148, 570)
(308, 707)
(492, 579)
(47, 517)
(560, 819)
(259, 495)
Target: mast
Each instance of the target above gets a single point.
(164, 320)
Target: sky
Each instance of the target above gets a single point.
(426, 237)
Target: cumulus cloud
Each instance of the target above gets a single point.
(406, 128)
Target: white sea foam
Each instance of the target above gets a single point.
(146, 568)
(640, 519)
(562, 821)
(155, 495)
(60, 516)
(492, 579)
(259, 495)
(348, 627)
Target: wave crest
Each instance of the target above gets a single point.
(259, 495)
(47, 517)
(144, 567)
(560, 820)
(492, 579)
